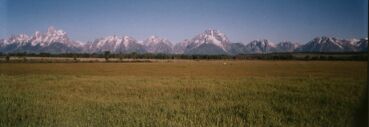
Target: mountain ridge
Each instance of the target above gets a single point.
(209, 42)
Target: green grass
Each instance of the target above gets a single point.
(182, 93)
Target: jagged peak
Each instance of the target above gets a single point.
(128, 39)
(153, 39)
(19, 38)
(211, 31)
(211, 36)
(325, 39)
(125, 37)
(37, 33)
(262, 42)
(52, 31)
(287, 43)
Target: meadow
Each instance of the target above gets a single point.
(183, 93)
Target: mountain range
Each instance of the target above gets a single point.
(209, 42)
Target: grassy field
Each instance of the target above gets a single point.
(182, 93)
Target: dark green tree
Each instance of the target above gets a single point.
(107, 55)
(7, 58)
(120, 56)
(75, 58)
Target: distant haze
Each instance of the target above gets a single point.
(176, 20)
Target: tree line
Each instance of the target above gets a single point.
(361, 56)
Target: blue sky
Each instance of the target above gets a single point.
(176, 20)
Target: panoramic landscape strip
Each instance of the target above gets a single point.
(184, 63)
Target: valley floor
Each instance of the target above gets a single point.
(182, 93)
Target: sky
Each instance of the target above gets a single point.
(241, 20)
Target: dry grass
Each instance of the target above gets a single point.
(182, 93)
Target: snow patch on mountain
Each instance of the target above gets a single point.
(211, 41)
(53, 41)
(155, 44)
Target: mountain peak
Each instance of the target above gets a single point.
(155, 44)
(263, 43)
(212, 36)
(210, 41)
(286, 46)
(19, 38)
(211, 32)
(128, 38)
(114, 43)
(153, 40)
(52, 41)
(52, 31)
(323, 44)
(37, 33)
(325, 39)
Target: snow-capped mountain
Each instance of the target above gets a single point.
(286, 46)
(2, 43)
(361, 45)
(53, 41)
(15, 41)
(180, 47)
(155, 44)
(209, 42)
(331, 44)
(260, 46)
(320, 44)
(347, 45)
(115, 44)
